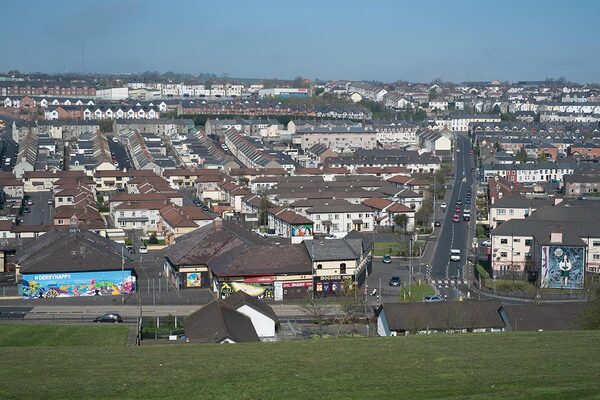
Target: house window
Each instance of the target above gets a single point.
(517, 240)
(517, 254)
(319, 266)
(503, 241)
(347, 215)
(503, 254)
(511, 212)
(318, 217)
(596, 256)
(500, 211)
(342, 268)
(527, 242)
(596, 243)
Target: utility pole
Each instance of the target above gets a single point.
(409, 265)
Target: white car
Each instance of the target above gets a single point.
(143, 249)
(486, 243)
(443, 206)
(454, 255)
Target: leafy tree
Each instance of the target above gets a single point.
(265, 204)
(153, 239)
(496, 109)
(521, 155)
(543, 158)
(401, 220)
(498, 146)
(420, 115)
(301, 82)
(591, 314)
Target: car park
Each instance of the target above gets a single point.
(109, 317)
(433, 299)
(395, 281)
(387, 259)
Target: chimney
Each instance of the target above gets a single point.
(218, 222)
(556, 237)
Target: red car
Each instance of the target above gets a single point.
(457, 210)
(456, 218)
(470, 152)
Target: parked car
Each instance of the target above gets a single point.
(205, 208)
(486, 243)
(457, 209)
(109, 317)
(130, 249)
(395, 281)
(433, 299)
(470, 152)
(50, 202)
(437, 223)
(26, 210)
(197, 202)
(387, 259)
(458, 202)
(443, 206)
(456, 218)
(29, 202)
(143, 249)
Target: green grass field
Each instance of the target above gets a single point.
(536, 365)
(417, 293)
(400, 248)
(17, 335)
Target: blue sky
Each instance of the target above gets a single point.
(373, 40)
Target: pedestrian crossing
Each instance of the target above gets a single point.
(446, 282)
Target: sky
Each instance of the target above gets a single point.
(460, 40)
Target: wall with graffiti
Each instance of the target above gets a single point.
(74, 284)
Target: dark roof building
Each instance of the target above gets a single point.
(217, 322)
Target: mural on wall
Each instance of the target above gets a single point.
(563, 267)
(101, 283)
(302, 230)
(194, 279)
(258, 290)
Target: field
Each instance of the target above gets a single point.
(400, 248)
(540, 365)
(61, 335)
(417, 293)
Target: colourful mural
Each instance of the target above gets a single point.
(194, 279)
(258, 290)
(74, 284)
(302, 230)
(563, 267)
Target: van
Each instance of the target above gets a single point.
(7, 161)
(454, 255)
(466, 215)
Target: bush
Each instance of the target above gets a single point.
(153, 239)
(483, 272)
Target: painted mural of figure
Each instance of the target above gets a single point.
(565, 267)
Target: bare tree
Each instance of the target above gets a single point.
(317, 310)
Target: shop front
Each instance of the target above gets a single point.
(260, 287)
(294, 290)
(328, 285)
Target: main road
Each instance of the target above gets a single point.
(450, 277)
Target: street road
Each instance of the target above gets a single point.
(448, 277)
(120, 153)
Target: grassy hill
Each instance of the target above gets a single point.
(544, 365)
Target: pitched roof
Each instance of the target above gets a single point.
(334, 249)
(216, 322)
(68, 250)
(241, 298)
(547, 317)
(443, 315)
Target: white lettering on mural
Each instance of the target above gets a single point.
(51, 277)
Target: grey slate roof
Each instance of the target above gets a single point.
(442, 316)
(334, 249)
(216, 322)
(547, 317)
(66, 250)
(241, 298)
